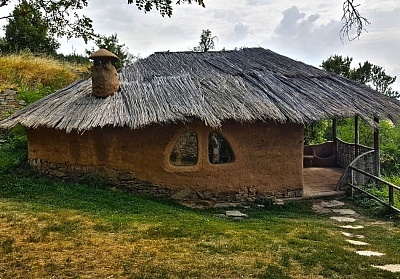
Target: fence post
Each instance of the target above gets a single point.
(391, 195)
(352, 183)
(377, 164)
(334, 139)
(356, 136)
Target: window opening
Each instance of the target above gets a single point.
(185, 149)
(219, 151)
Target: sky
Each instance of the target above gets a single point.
(306, 30)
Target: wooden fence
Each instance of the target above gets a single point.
(358, 173)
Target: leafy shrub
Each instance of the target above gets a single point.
(32, 95)
(13, 150)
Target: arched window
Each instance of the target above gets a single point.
(219, 151)
(185, 150)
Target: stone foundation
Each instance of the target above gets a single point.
(9, 103)
(125, 180)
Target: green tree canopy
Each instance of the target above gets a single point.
(338, 65)
(111, 43)
(206, 41)
(366, 73)
(27, 30)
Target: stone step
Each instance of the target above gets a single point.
(344, 211)
(352, 235)
(355, 242)
(352, 227)
(389, 267)
(343, 219)
(370, 253)
(332, 203)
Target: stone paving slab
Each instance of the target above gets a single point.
(356, 242)
(352, 227)
(235, 213)
(344, 211)
(389, 267)
(343, 219)
(370, 253)
(327, 207)
(320, 209)
(332, 203)
(352, 235)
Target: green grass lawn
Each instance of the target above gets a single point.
(68, 230)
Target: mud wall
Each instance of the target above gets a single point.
(268, 158)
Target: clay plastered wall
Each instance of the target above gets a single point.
(268, 157)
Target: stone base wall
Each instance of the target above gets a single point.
(9, 103)
(125, 180)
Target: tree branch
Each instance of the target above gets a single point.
(4, 3)
(352, 19)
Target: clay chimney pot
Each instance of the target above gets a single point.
(104, 74)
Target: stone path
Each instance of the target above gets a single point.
(344, 216)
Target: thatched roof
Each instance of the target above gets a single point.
(243, 85)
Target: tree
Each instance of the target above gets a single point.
(163, 6)
(111, 43)
(381, 81)
(206, 41)
(366, 73)
(58, 15)
(63, 20)
(338, 65)
(28, 30)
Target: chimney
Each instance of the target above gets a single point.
(104, 74)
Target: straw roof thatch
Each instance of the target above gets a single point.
(243, 85)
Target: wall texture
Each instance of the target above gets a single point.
(9, 103)
(268, 159)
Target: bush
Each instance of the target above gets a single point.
(13, 150)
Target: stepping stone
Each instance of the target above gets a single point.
(343, 219)
(370, 253)
(235, 213)
(352, 235)
(352, 227)
(345, 211)
(355, 242)
(320, 209)
(332, 203)
(389, 267)
(279, 202)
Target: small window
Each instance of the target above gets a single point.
(185, 151)
(219, 151)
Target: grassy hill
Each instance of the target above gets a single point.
(34, 77)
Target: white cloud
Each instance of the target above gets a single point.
(381, 5)
(241, 30)
(302, 37)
